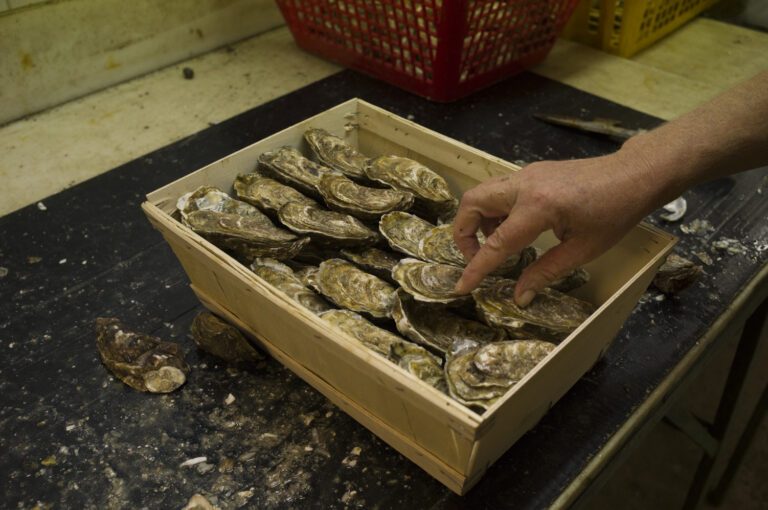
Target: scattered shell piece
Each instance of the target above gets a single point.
(41, 206)
(675, 209)
(230, 398)
(3, 272)
(704, 257)
(33, 259)
(730, 246)
(198, 502)
(676, 274)
(192, 462)
(49, 461)
(698, 227)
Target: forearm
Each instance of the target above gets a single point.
(724, 136)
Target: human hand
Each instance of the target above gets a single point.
(590, 204)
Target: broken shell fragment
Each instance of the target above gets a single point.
(334, 152)
(352, 288)
(143, 362)
(551, 315)
(219, 338)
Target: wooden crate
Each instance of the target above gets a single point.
(448, 440)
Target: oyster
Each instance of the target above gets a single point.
(434, 326)
(343, 194)
(349, 287)
(326, 227)
(433, 196)
(247, 236)
(373, 260)
(551, 315)
(404, 231)
(571, 281)
(143, 362)
(478, 378)
(282, 277)
(336, 153)
(306, 276)
(676, 274)
(267, 194)
(290, 167)
(222, 340)
(375, 338)
(418, 361)
(209, 198)
(412, 358)
(430, 282)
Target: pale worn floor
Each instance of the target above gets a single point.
(58, 148)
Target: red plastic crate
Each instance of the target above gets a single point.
(439, 49)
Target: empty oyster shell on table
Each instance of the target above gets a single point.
(412, 358)
(434, 326)
(283, 278)
(247, 236)
(143, 362)
(677, 273)
(267, 194)
(326, 227)
(433, 197)
(551, 315)
(219, 338)
(374, 261)
(478, 378)
(289, 166)
(342, 194)
(352, 288)
(404, 231)
(432, 283)
(335, 153)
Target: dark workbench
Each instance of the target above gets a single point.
(72, 436)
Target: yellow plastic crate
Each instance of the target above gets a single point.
(624, 27)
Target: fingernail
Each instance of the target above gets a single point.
(525, 298)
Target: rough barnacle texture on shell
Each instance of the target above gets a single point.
(676, 274)
(551, 315)
(430, 282)
(343, 194)
(404, 231)
(418, 361)
(291, 167)
(434, 326)
(247, 236)
(334, 152)
(222, 340)
(353, 324)
(283, 278)
(433, 197)
(209, 198)
(478, 378)
(373, 260)
(326, 227)
(352, 288)
(143, 362)
(267, 194)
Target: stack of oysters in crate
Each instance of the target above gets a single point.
(366, 244)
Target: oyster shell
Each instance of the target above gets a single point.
(551, 315)
(289, 166)
(247, 236)
(404, 231)
(143, 362)
(349, 287)
(676, 274)
(430, 282)
(434, 326)
(571, 281)
(343, 194)
(282, 277)
(433, 196)
(334, 152)
(267, 194)
(326, 227)
(480, 377)
(374, 261)
(306, 276)
(209, 198)
(412, 358)
(222, 340)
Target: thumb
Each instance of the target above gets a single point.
(553, 265)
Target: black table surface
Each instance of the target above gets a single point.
(72, 436)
